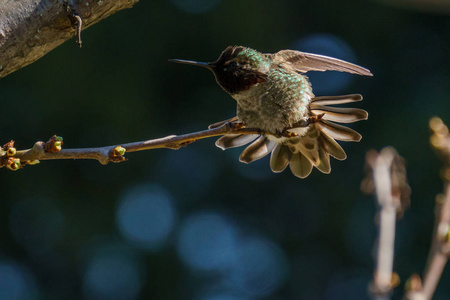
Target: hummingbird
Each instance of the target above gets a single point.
(274, 95)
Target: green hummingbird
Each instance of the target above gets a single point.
(274, 96)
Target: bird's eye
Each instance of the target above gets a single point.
(230, 65)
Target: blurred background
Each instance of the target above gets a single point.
(195, 223)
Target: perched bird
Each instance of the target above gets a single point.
(274, 96)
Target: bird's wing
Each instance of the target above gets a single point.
(303, 62)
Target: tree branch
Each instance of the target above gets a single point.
(440, 247)
(29, 29)
(387, 180)
(51, 149)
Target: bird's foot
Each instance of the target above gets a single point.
(289, 134)
(221, 123)
(285, 133)
(235, 125)
(306, 121)
(315, 118)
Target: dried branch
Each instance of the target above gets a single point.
(13, 159)
(440, 247)
(388, 181)
(30, 29)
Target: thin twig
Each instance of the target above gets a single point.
(439, 250)
(108, 154)
(388, 181)
(440, 246)
(79, 24)
(388, 205)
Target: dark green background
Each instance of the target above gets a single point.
(121, 88)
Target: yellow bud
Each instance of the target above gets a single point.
(11, 151)
(119, 151)
(13, 164)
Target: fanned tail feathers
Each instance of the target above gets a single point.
(234, 140)
(314, 148)
(257, 150)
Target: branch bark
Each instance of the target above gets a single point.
(106, 154)
(29, 29)
(387, 180)
(388, 210)
(440, 245)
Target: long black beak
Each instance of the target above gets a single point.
(194, 63)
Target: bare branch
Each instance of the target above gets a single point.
(440, 247)
(47, 151)
(388, 181)
(388, 205)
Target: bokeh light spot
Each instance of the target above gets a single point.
(16, 283)
(260, 267)
(195, 6)
(112, 273)
(207, 242)
(330, 82)
(146, 216)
